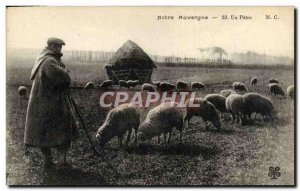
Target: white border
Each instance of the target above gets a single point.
(4, 3)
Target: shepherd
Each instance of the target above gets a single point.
(49, 121)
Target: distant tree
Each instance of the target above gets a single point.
(220, 51)
(214, 50)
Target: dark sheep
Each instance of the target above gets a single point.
(165, 87)
(256, 103)
(197, 85)
(253, 81)
(132, 83)
(106, 84)
(123, 83)
(276, 90)
(218, 101)
(180, 85)
(207, 111)
(156, 83)
(148, 87)
(239, 86)
(273, 81)
(89, 85)
(22, 91)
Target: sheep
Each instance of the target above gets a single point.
(253, 81)
(239, 86)
(123, 83)
(161, 120)
(273, 81)
(236, 106)
(226, 93)
(290, 91)
(89, 85)
(197, 85)
(148, 87)
(226, 82)
(181, 85)
(123, 118)
(165, 87)
(207, 111)
(276, 89)
(156, 83)
(132, 83)
(106, 84)
(22, 91)
(256, 103)
(218, 101)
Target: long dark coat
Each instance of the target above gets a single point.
(49, 119)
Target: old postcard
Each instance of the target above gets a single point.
(164, 96)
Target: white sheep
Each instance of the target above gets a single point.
(123, 118)
(226, 93)
(236, 106)
(290, 91)
(161, 120)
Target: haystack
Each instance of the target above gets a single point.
(130, 62)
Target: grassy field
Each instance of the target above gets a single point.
(237, 155)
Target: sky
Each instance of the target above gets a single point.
(107, 28)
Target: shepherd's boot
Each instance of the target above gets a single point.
(47, 157)
(62, 158)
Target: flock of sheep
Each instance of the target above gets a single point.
(274, 87)
(160, 86)
(163, 118)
